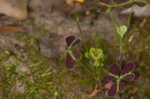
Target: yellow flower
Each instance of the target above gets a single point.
(80, 1)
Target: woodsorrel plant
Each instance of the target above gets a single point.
(96, 60)
(72, 55)
(118, 74)
(119, 77)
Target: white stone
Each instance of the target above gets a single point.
(138, 11)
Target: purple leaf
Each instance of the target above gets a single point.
(113, 89)
(113, 69)
(129, 77)
(121, 85)
(70, 39)
(69, 61)
(127, 68)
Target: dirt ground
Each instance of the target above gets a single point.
(47, 28)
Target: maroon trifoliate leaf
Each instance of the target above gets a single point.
(107, 79)
(69, 61)
(70, 39)
(113, 90)
(129, 77)
(71, 55)
(113, 69)
(127, 68)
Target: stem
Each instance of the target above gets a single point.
(121, 46)
(71, 44)
(110, 74)
(130, 16)
(78, 25)
(120, 5)
(115, 26)
(118, 81)
(122, 76)
(71, 54)
(96, 73)
(70, 51)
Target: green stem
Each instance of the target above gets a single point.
(122, 76)
(118, 81)
(110, 74)
(115, 27)
(121, 46)
(71, 54)
(120, 5)
(70, 51)
(70, 46)
(130, 16)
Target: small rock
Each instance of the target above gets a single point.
(14, 8)
(138, 11)
(20, 87)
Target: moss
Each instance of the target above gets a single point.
(37, 80)
(139, 50)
